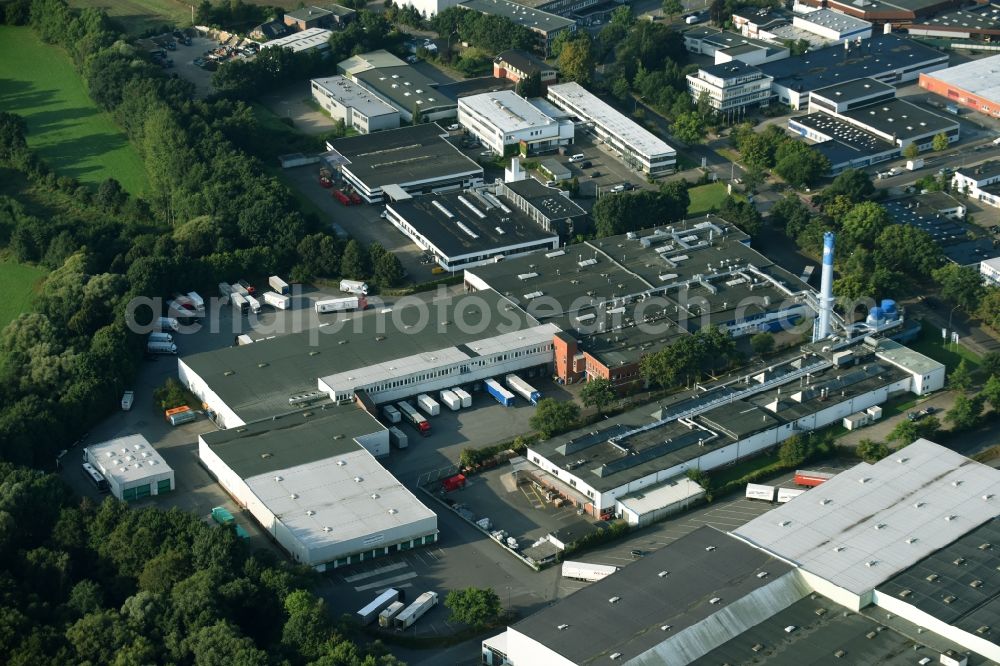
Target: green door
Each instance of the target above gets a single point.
(163, 486)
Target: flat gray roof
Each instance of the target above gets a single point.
(865, 525)
(406, 87)
(533, 19)
(980, 77)
(256, 380)
(822, 628)
(704, 565)
(944, 584)
(900, 118)
(507, 110)
(349, 93)
(126, 459)
(857, 89)
(404, 155)
(838, 21)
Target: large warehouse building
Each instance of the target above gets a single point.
(416, 159)
(313, 484)
(910, 542)
(974, 84)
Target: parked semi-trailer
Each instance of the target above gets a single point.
(166, 324)
(386, 616)
(811, 479)
(502, 395)
(449, 398)
(523, 388)
(398, 438)
(157, 347)
(239, 302)
(277, 301)
(587, 572)
(416, 610)
(761, 492)
(354, 287)
(225, 289)
(788, 494)
(279, 285)
(390, 414)
(414, 418)
(161, 337)
(370, 613)
(196, 300)
(428, 404)
(341, 304)
(464, 396)
(254, 304)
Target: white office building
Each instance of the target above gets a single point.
(731, 86)
(503, 118)
(349, 102)
(990, 270)
(636, 146)
(131, 466)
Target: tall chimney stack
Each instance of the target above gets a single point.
(826, 288)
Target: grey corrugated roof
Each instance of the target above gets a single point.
(647, 601)
(862, 527)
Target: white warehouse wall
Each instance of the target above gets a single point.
(225, 417)
(237, 488)
(525, 651)
(901, 608)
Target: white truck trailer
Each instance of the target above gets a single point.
(587, 572)
(341, 304)
(464, 396)
(415, 611)
(523, 388)
(196, 300)
(254, 304)
(386, 616)
(449, 398)
(279, 285)
(277, 301)
(354, 287)
(391, 414)
(370, 613)
(428, 404)
(398, 438)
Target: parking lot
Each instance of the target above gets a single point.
(185, 68)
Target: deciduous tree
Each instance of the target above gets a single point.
(598, 393)
(474, 606)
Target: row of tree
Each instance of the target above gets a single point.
(107, 584)
(615, 214)
(797, 163)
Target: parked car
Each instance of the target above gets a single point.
(586, 165)
(454, 128)
(595, 174)
(127, 399)
(486, 153)
(618, 188)
(412, 59)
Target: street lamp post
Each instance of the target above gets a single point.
(948, 337)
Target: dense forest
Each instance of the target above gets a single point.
(85, 584)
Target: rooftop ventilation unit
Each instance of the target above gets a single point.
(562, 627)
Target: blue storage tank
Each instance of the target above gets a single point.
(875, 317)
(889, 308)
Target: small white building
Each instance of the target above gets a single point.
(311, 39)
(504, 118)
(349, 102)
(979, 183)
(833, 26)
(133, 468)
(990, 270)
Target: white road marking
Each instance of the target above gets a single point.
(376, 572)
(385, 582)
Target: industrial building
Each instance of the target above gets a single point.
(504, 122)
(549, 208)
(885, 563)
(833, 27)
(133, 469)
(313, 39)
(408, 91)
(893, 12)
(725, 46)
(617, 298)
(990, 270)
(636, 146)
(980, 182)
(888, 58)
(414, 160)
(731, 87)
(941, 217)
(312, 482)
(515, 65)
(461, 230)
(347, 101)
(546, 26)
(859, 123)
(820, 27)
(365, 61)
(974, 84)
(392, 355)
(975, 23)
(722, 423)
(331, 17)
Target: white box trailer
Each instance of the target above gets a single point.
(156, 347)
(428, 404)
(788, 494)
(391, 414)
(254, 304)
(463, 396)
(761, 492)
(453, 402)
(370, 613)
(341, 304)
(398, 438)
(587, 572)
(164, 324)
(239, 302)
(196, 300)
(386, 616)
(225, 289)
(243, 339)
(161, 337)
(416, 610)
(523, 388)
(278, 301)
(279, 285)
(354, 287)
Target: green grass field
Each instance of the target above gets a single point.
(38, 82)
(18, 283)
(706, 197)
(138, 16)
(929, 343)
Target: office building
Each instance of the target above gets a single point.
(636, 146)
(505, 122)
(356, 107)
(731, 87)
(974, 84)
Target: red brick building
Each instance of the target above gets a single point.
(515, 65)
(974, 84)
